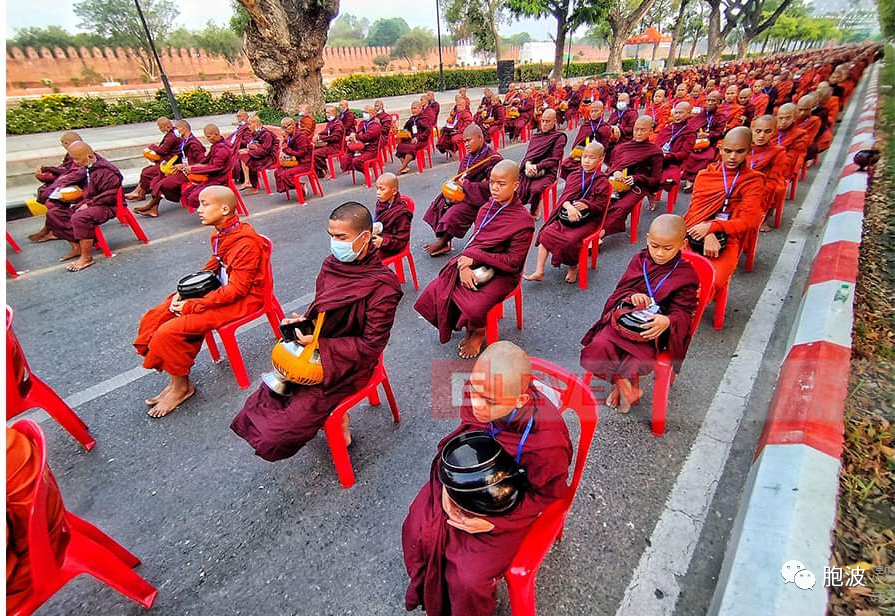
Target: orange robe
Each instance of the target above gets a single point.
(169, 342)
(22, 470)
(733, 112)
(770, 160)
(745, 211)
(759, 103)
(795, 141)
(826, 138)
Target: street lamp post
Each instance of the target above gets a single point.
(440, 60)
(171, 100)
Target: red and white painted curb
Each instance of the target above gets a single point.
(789, 503)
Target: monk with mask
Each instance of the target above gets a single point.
(727, 199)
(170, 334)
(418, 127)
(260, 153)
(168, 147)
(638, 164)
(190, 152)
(359, 296)
(391, 217)
(769, 159)
(709, 126)
(659, 281)
(592, 130)
(213, 170)
(676, 141)
(296, 152)
(75, 222)
(623, 118)
(68, 173)
(582, 206)
(329, 142)
(453, 219)
(540, 165)
(455, 559)
(461, 296)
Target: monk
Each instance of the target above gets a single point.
(709, 126)
(451, 134)
(298, 149)
(306, 120)
(170, 334)
(346, 117)
(540, 165)
(385, 120)
(239, 141)
(216, 167)
(419, 128)
(659, 109)
(791, 138)
(359, 297)
(500, 241)
(525, 106)
(771, 160)
(329, 142)
(260, 153)
(640, 162)
(810, 123)
(169, 146)
(594, 129)
(732, 109)
(584, 199)
(623, 117)
(759, 98)
(53, 178)
(455, 559)
(676, 141)
(392, 234)
(363, 144)
(75, 222)
(452, 219)
(828, 108)
(744, 98)
(22, 471)
(727, 198)
(190, 151)
(659, 280)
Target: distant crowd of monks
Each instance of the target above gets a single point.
(734, 135)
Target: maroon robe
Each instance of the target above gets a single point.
(564, 243)
(452, 133)
(360, 299)
(526, 114)
(643, 160)
(241, 137)
(715, 125)
(396, 219)
(333, 138)
(544, 150)
(369, 133)
(72, 222)
(625, 122)
(216, 165)
(608, 354)
(420, 127)
(501, 244)
(68, 173)
(299, 145)
(454, 219)
(192, 152)
(493, 124)
(348, 120)
(261, 154)
(455, 573)
(589, 131)
(169, 146)
(386, 121)
(679, 138)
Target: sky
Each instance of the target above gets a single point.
(195, 13)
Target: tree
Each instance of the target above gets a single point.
(478, 20)
(622, 17)
(755, 20)
(348, 31)
(558, 10)
(518, 39)
(284, 41)
(386, 32)
(181, 38)
(414, 44)
(117, 21)
(656, 18)
(742, 14)
(694, 25)
(50, 37)
(676, 33)
(239, 21)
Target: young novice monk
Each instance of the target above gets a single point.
(392, 213)
(454, 558)
(769, 159)
(585, 198)
(658, 279)
(170, 335)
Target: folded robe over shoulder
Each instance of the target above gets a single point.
(563, 242)
(396, 219)
(544, 150)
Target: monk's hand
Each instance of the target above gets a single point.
(641, 300)
(628, 179)
(293, 318)
(463, 262)
(467, 279)
(572, 212)
(83, 206)
(711, 246)
(698, 232)
(377, 241)
(176, 304)
(472, 525)
(658, 324)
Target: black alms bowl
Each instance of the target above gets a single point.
(196, 285)
(480, 476)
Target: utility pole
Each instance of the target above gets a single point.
(440, 60)
(171, 100)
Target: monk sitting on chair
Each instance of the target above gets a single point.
(594, 129)
(75, 222)
(726, 206)
(770, 160)
(356, 298)
(809, 122)
(676, 141)
(452, 218)
(190, 152)
(170, 334)
(329, 142)
(659, 289)
(414, 137)
(487, 270)
(540, 166)
(791, 138)
(391, 218)
(452, 133)
(582, 204)
(455, 557)
(658, 109)
(260, 153)
(362, 145)
(731, 108)
(296, 155)
(709, 126)
(169, 146)
(68, 173)
(213, 170)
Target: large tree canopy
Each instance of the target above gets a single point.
(386, 32)
(479, 21)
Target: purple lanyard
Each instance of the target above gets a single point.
(217, 238)
(470, 159)
(728, 191)
(676, 133)
(493, 431)
(649, 290)
(593, 131)
(486, 220)
(753, 161)
(593, 177)
(709, 121)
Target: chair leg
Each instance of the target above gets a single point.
(231, 347)
(491, 330)
(12, 243)
(672, 199)
(95, 534)
(517, 300)
(43, 396)
(390, 396)
(399, 269)
(635, 221)
(212, 347)
(330, 162)
(521, 589)
(582, 266)
(338, 448)
(263, 175)
(720, 308)
(412, 266)
(90, 557)
(100, 240)
(751, 249)
(661, 388)
(373, 398)
(131, 221)
(778, 211)
(299, 192)
(274, 319)
(11, 269)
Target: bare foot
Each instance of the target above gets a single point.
(150, 212)
(81, 264)
(251, 190)
(471, 347)
(134, 196)
(170, 401)
(244, 186)
(572, 275)
(765, 228)
(74, 253)
(629, 395)
(346, 429)
(438, 252)
(403, 170)
(612, 398)
(43, 235)
(154, 400)
(536, 276)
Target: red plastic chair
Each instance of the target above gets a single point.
(397, 260)
(494, 315)
(333, 426)
(227, 333)
(750, 250)
(12, 243)
(672, 197)
(88, 550)
(313, 181)
(373, 168)
(592, 244)
(663, 374)
(575, 396)
(461, 150)
(778, 210)
(125, 217)
(24, 391)
(498, 138)
(262, 173)
(422, 156)
(635, 220)
(573, 120)
(525, 134)
(10, 268)
(548, 200)
(241, 208)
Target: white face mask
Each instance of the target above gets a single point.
(621, 105)
(366, 116)
(343, 250)
(242, 122)
(330, 118)
(177, 133)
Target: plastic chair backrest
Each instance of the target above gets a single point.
(578, 398)
(705, 272)
(17, 369)
(268, 288)
(408, 203)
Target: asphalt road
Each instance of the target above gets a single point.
(221, 532)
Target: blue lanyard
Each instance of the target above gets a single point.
(183, 150)
(495, 431)
(676, 133)
(593, 131)
(728, 191)
(709, 121)
(649, 288)
(593, 177)
(486, 220)
(217, 238)
(470, 159)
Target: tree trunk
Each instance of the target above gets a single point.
(764, 45)
(743, 47)
(676, 35)
(655, 49)
(716, 39)
(693, 46)
(284, 43)
(560, 42)
(616, 49)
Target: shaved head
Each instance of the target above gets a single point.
(499, 381)
(216, 205)
(212, 133)
(508, 168)
(765, 121)
(592, 156)
(473, 138)
(503, 181)
(386, 187)
(740, 134)
(668, 226)
(78, 149)
(164, 124)
(388, 179)
(786, 116)
(355, 214)
(68, 138)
